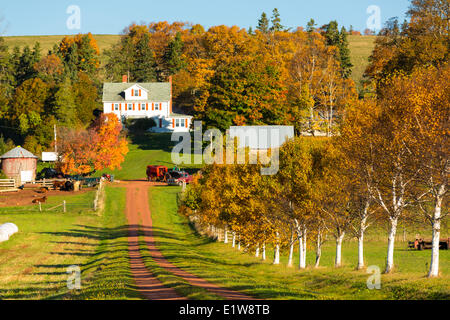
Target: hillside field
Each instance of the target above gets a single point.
(360, 47)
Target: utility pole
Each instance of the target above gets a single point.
(56, 148)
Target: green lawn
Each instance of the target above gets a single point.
(34, 262)
(221, 264)
(146, 149)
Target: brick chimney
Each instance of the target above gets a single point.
(124, 79)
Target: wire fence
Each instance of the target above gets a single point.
(63, 206)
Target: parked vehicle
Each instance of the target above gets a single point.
(421, 244)
(49, 173)
(157, 173)
(177, 178)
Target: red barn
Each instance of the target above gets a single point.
(19, 164)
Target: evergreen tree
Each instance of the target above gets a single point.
(332, 34)
(6, 70)
(344, 54)
(143, 69)
(64, 104)
(24, 69)
(311, 25)
(276, 22)
(263, 23)
(173, 56)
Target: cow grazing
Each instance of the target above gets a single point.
(58, 184)
(43, 190)
(40, 200)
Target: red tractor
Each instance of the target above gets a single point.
(157, 173)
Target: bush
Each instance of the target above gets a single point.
(5, 146)
(139, 125)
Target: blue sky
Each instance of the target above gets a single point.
(48, 17)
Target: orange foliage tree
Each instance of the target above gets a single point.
(99, 147)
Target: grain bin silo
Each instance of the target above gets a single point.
(19, 164)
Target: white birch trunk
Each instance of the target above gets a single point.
(234, 240)
(436, 223)
(276, 251)
(362, 229)
(391, 243)
(301, 257)
(291, 250)
(318, 250)
(263, 254)
(338, 260)
(225, 235)
(257, 251)
(304, 248)
(291, 254)
(360, 252)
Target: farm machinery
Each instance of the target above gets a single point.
(157, 173)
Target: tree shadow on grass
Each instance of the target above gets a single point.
(152, 141)
(108, 265)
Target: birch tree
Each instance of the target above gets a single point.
(359, 161)
(422, 100)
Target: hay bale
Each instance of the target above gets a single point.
(9, 229)
(3, 236)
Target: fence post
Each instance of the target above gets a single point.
(64, 206)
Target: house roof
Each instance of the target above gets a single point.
(18, 152)
(157, 91)
(179, 115)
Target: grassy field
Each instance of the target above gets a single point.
(360, 47)
(34, 262)
(106, 274)
(146, 149)
(104, 41)
(221, 264)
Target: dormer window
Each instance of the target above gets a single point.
(136, 93)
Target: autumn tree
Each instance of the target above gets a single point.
(334, 196)
(359, 160)
(421, 42)
(291, 190)
(420, 103)
(99, 147)
(79, 53)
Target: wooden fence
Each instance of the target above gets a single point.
(7, 185)
(48, 182)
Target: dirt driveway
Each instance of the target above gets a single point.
(138, 213)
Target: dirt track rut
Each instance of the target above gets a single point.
(138, 213)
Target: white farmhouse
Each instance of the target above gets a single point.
(145, 100)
